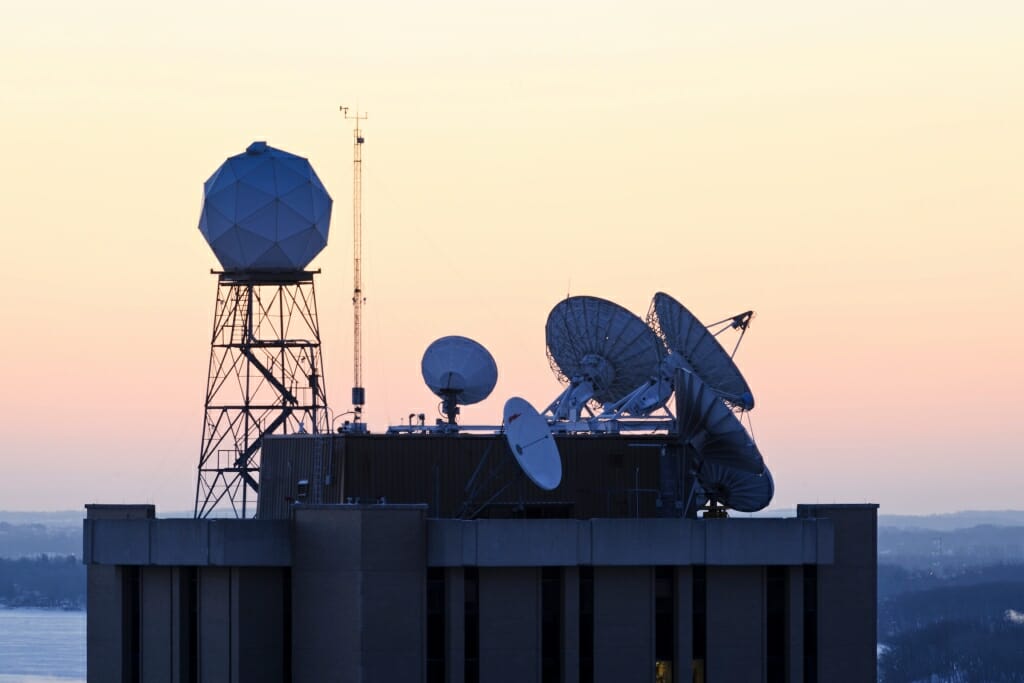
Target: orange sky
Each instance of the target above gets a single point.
(852, 173)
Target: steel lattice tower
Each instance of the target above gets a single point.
(265, 377)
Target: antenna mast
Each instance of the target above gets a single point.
(358, 392)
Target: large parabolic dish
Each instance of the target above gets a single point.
(687, 336)
(599, 341)
(265, 211)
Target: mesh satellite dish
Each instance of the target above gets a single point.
(265, 211)
(601, 350)
(691, 342)
(530, 440)
(714, 431)
(735, 488)
(460, 371)
(729, 467)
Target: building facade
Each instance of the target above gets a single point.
(390, 590)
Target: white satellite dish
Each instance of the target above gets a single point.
(460, 371)
(693, 347)
(602, 351)
(531, 442)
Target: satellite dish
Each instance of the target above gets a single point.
(690, 342)
(711, 428)
(265, 210)
(532, 445)
(460, 371)
(601, 349)
(736, 489)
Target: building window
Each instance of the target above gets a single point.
(775, 607)
(435, 625)
(664, 623)
(551, 624)
(586, 624)
(471, 621)
(700, 622)
(810, 623)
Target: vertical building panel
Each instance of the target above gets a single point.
(394, 577)
(326, 595)
(735, 625)
(156, 634)
(623, 624)
(214, 639)
(510, 625)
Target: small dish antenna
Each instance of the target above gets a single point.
(460, 371)
(601, 350)
(694, 347)
(530, 440)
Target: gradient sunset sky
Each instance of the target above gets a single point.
(853, 172)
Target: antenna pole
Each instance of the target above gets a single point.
(358, 392)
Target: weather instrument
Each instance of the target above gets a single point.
(265, 215)
(601, 350)
(460, 371)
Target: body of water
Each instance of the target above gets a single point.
(42, 646)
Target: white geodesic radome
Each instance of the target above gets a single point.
(265, 211)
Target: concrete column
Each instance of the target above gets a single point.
(510, 625)
(795, 624)
(156, 623)
(111, 604)
(214, 637)
(105, 625)
(455, 624)
(848, 594)
(623, 624)
(736, 624)
(570, 625)
(682, 666)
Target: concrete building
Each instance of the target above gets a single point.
(362, 565)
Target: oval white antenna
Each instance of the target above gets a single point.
(690, 341)
(460, 371)
(601, 349)
(265, 211)
(532, 444)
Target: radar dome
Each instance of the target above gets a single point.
(265, 211)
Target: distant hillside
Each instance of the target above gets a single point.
(954, 520)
